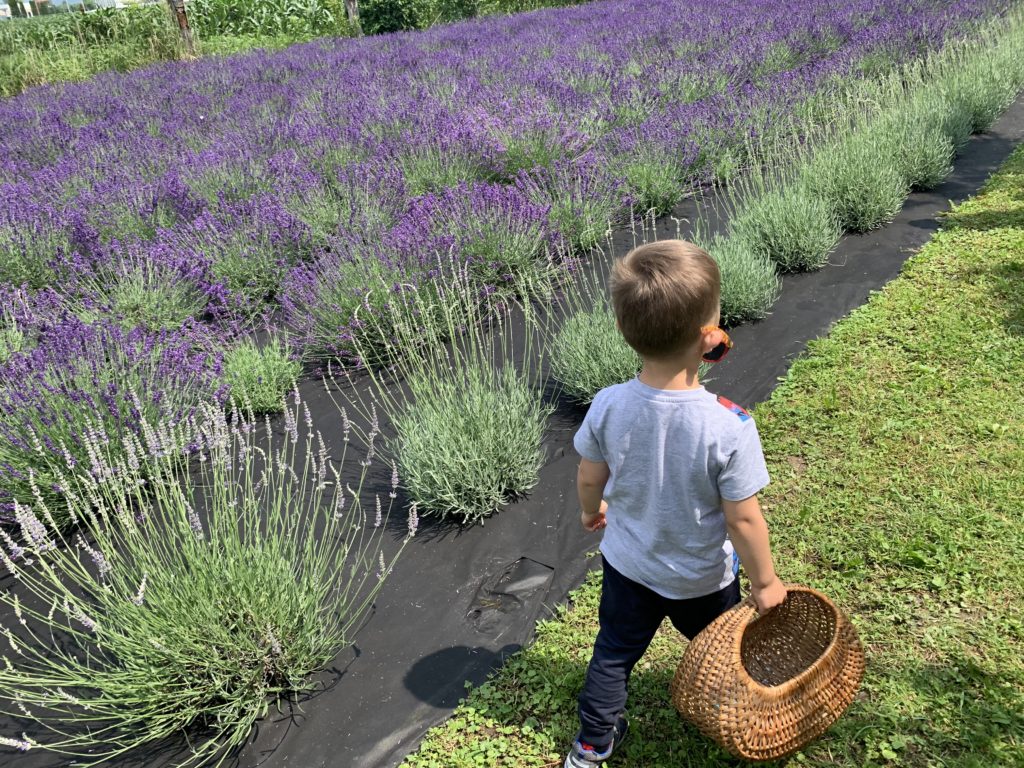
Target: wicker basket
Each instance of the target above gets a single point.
(765, 687)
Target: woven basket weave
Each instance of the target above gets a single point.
(765, 687)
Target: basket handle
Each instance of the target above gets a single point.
(749, 607)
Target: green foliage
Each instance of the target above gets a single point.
(56, 32)
(788, 224)
(588, 354)
(859, 180)
(378, 16)
(902, 130)
(75, 46)
(582, 211)
(260, 377)
(252, 266)
(296, 19)
(922, 148)
(355, 305)
(984, 86)
(469, 439)
(750, 284)
(226, 45)
(187, 604)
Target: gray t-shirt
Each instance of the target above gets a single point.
(673, 455)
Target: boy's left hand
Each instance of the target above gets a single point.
(597, 520)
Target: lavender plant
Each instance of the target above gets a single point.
(750, 285)
(341, 304)
(84, 385)
(464, 410)
(187, 602)
(469, 439)
(31, 242)
(497, 231)
(584, 201)
(860, 181)
(587, 352)
(148, 285)
(784, 221)
(260, 376)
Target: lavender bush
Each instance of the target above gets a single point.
(184, 603)
(785, 221)
(147, 284)
(464, 413)
(79, 386)
(750, 284)
(273, 165)
(587, 351)
(259, 376)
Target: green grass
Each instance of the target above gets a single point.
(75, 46)
(896, 447)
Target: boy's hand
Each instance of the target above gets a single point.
(597, 520)
(769, 596)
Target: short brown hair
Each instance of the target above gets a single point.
(662, 294)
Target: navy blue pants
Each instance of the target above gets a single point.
(629, 615)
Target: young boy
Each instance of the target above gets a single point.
(673, 472)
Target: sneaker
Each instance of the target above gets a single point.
(583, 755)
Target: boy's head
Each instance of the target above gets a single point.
(662, 294)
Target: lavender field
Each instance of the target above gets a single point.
(184, 203)
(194, 233)
(300, 180)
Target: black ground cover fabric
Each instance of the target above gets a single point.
(461, 600)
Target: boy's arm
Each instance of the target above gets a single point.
(590, 482)
(749, 533)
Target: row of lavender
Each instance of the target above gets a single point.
(148, 218)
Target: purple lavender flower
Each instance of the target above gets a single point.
(22, 745)
(98, 559)
(140, 595)
(195, 524)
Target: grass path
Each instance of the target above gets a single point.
(896, 447)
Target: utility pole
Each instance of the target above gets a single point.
(178, 7)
